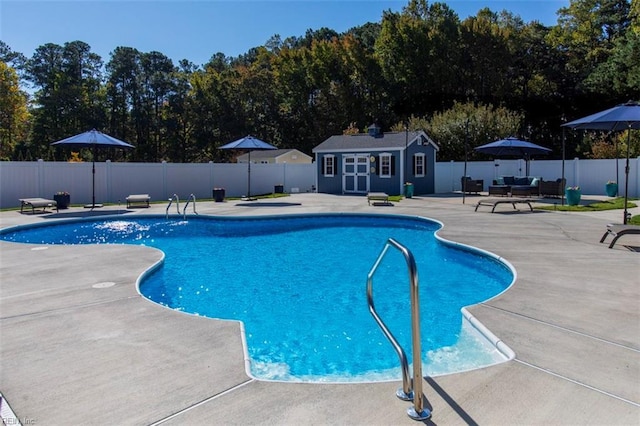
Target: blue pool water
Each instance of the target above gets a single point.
(298, 283)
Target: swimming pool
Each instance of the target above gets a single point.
(298, 285)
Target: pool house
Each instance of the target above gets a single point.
(376, 162)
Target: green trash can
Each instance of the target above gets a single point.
(408, 190)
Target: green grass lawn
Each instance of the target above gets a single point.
(616, 203)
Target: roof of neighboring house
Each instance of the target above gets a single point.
(269, 153)
(365, 141)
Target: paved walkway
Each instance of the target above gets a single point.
(78, 345)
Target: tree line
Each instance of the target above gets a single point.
(466, 82)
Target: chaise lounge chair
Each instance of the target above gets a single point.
(138, 199)
(378, 196)
(493, 202)
(618, 230)
(36, 203)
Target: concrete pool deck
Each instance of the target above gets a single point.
(79, 345)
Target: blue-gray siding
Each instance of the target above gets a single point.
(392, 185)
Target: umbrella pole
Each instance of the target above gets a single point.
(563, 155)
(93, 179)
(626, 175)
(93, 184)
(466, 154)
(464, 179)
(617, 161)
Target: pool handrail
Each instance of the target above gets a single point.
(407, 392)
(171, 202)
(184, 210)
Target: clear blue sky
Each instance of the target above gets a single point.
(197, 29)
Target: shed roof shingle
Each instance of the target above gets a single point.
(364, 141)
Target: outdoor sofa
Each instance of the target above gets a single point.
(522, 186)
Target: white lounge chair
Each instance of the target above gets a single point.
(139, 199)
(37, 203)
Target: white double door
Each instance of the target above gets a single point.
(355, 173)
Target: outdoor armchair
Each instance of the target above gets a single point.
(472, 185)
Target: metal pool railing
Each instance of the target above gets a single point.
(184, 210)
(411, 389)
(174, 196)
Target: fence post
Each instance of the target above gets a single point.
(107, 177)
(452, 179)
(40, 177)
(164, 180)
(211, 179)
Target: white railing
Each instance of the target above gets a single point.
(115, 181)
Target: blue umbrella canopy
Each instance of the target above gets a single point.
(512, 147)
(248, 143)
(93, 139)
(621, 117)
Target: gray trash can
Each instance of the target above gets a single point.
(218, 195)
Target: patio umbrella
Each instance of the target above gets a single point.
(93, 139)
(513, 147)
(248, 143)
(621, 117)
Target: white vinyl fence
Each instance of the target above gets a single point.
(114, 181)
(590, 175)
